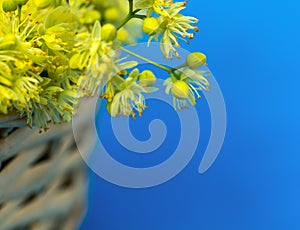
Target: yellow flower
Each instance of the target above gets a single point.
(111, 14)
(123, 36)
(109, 32)
(180, 89)
(186, 86)
(173, 27)
(128, 100)
(147, 78)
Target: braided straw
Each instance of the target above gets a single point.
(42, 177)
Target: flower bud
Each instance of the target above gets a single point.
(122, 35)
(111, 14)
(9, 5)
(91, 16)
(42, 3)
(150, 25)
(147, 78)
(108, 32)
(195, 60)
(180, 89)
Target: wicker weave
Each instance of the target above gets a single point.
(42, 177)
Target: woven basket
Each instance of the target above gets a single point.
(43, 178)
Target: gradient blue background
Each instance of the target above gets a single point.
(253, 51)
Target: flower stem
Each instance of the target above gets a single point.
(147, 60)
(173, 76)
(179, 67)
(131, 14)
(128, 17)
(139, 16)
(19, 16)
(130, 6)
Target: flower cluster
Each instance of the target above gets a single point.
(48, 49)
(53, 52)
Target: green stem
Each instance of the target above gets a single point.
(149, 12)
(139, 16)
(174, 76)
(131, 14)
(19, 16)
(129, 17)
(130, 6)
(147, 60)
(179, 67)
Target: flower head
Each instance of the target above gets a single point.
(129, 99)
(186, 86)
(174, 27)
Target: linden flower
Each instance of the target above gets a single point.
(186, 87)
(196, 79)
(17, 84)
(180, 92)
(95, 58)
(99, 60)
(92, 82)
(129, 99)
(7, 96)
(159, 6)
(172, 28)
(87, 48)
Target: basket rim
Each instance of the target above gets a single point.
(11, 120)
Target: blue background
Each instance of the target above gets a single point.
(253, 52)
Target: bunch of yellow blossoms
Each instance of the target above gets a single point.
(53, 52)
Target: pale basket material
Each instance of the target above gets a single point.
(43, 178)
